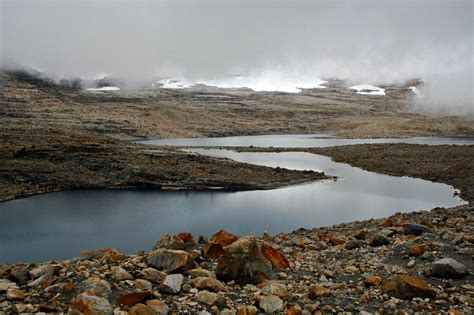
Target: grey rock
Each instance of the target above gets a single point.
(448, 268)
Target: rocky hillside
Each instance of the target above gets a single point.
(413, 262)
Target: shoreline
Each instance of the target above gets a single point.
(355, 266)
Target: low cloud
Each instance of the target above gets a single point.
(367, 41)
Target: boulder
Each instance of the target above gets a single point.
(88, 303)
(415, 229)
(158, 306)
(120, 274)
(336, 240)
(41, 270)
(171, 260)
(407, 287)
(224, 238)
(213, 250)
(372, 281)
(153, 275)
(44, 281)
(353, 244)
(143, 285)
(100, 286)
(273, 288)
(206, 297)
(131, 298)
(194, 273)
(243, 262)
(169, 241)
(172, 284)
(275, 257)
(418, 250)
(448, 268)
(6, 284)
(141, 309)
(108, 254)
(247, 310)
(316, 291)
(378, 240)
(207, 283)
(14, 294)
(187, 238)
(20, 273)
(271, 304)
(202, 240)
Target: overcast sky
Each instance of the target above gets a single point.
(370, 41)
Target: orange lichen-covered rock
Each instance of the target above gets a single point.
(224, 238)
(275, 257)
(187, 238)
(386, 223)
(407, 287)
(336, 240)
(213, 250)
(131, 298)
(418, 250)
(372, 281)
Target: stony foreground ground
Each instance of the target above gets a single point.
(412, 262)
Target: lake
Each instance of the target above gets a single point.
(60, 225)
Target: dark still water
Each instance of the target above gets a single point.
(60, 225)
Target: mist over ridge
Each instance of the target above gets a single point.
(273, 43)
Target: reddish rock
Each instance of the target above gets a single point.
(361, 234)
(418, 250)
(317, 291)
(336, 240)
(275, 257)
(187, 238)
(213, 250)
(372, 281)
(131, 298)
(407, 287)
(292, 310)
(224, 238)
(386, 223)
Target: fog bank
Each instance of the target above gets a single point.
(273, 43)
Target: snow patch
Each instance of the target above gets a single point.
(366, 89)
(416, 91)
(170, 84)
(105, 88)
(268, 82)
